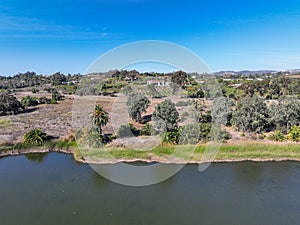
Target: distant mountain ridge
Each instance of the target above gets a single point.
(254, 72)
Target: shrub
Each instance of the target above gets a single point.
(190, 134)
(44, 100)
(276, 136)
(294, 133)
(52, 101)
(127, 130)
(171, 137)
(9, 104)
(94, 139)
(34, 90)
(57, 96)
(35, 137)
(29, 101)
(147, 130)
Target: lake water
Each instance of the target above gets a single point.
(53, 189)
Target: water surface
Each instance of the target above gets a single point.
(54, 189)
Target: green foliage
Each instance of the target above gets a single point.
(99, 117)
(52, 101)
(56, 96)
(147, 130)
(9, 104)
(294, 133)
(137, 104)
(153, 92)
(35, 137)
(171, 137)
(29, 101)
(193, 133)
(198, 112)
(195, 92)
(276, 136)
(179, 78)
(127, 130)
(218, 134)
(58, 78)
(127, 90)
(222, 109)
(34, 90)
(251, 115)
(44, 100)
(166, 116)
(286, 113)
(94, 139)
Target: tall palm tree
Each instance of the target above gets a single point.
(99, 117)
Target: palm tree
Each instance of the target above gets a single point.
(99, 117)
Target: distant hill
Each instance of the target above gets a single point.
(244, 72)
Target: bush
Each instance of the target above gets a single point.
(94, 139)
(9, 104)
(276, 136)
(147, 130)
(57, 96)
(35, 137)
(294, 133)
(34, 90)
(127, 130)
(53, 101)
(171, 137)
(44, 100)
(190, 134)
(29, 101)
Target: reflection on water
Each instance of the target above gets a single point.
(37, 157)
(60, 191)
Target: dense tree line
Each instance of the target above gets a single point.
(30, 79)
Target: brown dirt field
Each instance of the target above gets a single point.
(56, 120)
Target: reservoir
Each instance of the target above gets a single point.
(54, 189)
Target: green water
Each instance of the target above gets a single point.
(54, 189)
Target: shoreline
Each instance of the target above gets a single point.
(240, 154)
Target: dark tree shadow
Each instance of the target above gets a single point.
(146, 119)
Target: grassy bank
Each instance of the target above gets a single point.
(241, 151)
(23, 148)
(236, 151)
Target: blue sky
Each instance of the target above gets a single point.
(55, 35)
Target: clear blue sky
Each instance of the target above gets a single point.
(67, 35)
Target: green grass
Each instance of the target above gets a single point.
(252, 150)
(238, 151)
(22, 147)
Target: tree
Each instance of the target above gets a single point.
(35, 136)
(166, 116)
(137, 104)
(99, 117)
(222, 110)
(9, 104)
(251, 115)
(286, 113)
(179, 78)
(198, 112)
(58, 78)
